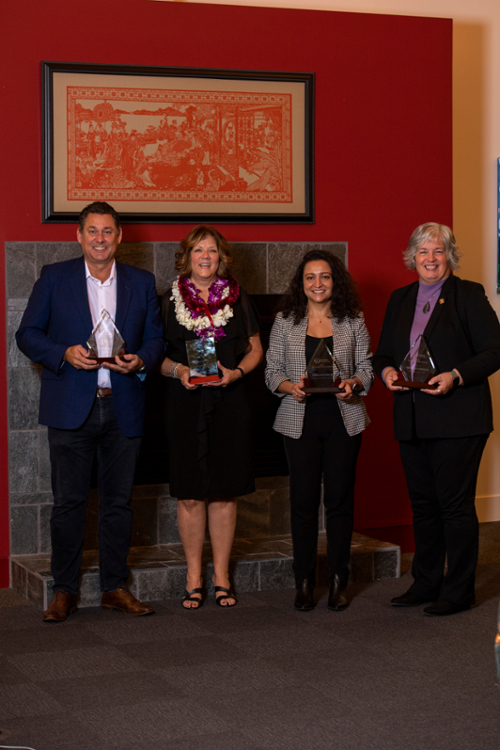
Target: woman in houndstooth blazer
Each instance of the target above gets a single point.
(321, 432)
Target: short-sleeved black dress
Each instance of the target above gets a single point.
(209, 429)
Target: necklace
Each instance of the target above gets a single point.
(206, 318)
(427, 305)
(318, 318)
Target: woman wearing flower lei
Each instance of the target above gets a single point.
(208, 425)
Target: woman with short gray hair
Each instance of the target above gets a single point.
(442, 429)
(430, 231)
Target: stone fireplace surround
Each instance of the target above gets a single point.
(261, 268)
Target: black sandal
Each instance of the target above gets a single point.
(228, 595)
(186, 597)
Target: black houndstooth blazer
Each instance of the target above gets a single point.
(286, 360)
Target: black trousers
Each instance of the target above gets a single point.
(324, 449)
(71, 456)
(441, 476)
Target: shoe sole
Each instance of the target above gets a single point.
(132, 614)
(447, 614)
(55, 619)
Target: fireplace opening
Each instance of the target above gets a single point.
(269, 454)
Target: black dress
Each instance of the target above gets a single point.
(209, 429)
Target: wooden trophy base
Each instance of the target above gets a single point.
(108, 360)
(415, 384)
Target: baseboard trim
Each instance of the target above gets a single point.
(488, 508)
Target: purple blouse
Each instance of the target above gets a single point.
(428, 295)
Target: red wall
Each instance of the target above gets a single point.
(383, 148)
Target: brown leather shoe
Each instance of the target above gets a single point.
(123, 600)
(62, 605)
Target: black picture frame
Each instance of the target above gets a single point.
(59, 156)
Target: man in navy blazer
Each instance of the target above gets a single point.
(91, 408)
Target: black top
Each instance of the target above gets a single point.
(322, 408)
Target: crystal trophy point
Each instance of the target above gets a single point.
(105, 342)
(202, 360)
(417, 368)
(319, 376)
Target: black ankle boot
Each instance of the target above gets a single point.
(304, 600)
(337, 595)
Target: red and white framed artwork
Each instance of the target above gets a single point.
(178, 144)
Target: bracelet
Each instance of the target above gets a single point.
(171, 368)
(242, 373)
(177, 365)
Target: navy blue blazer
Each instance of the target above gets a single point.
(463, 332)
(58, 316)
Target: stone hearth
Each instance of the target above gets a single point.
(159, 571)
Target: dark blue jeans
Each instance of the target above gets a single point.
(71, 456)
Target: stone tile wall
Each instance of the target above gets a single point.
(261, 268)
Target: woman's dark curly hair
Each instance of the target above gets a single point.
(345, 301)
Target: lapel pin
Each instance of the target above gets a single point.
(441, 301)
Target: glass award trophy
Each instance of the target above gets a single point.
(319, 374)
(105, 342)
(418, 367)
(202, 359)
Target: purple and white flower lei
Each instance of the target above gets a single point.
(206, 319)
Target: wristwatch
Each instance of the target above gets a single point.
(456, 377)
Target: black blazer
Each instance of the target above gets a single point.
(463, 332)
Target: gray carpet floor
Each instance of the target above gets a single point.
(257, 677)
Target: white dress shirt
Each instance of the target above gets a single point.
(102, 296)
